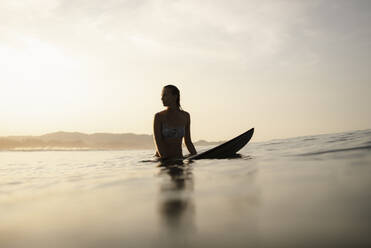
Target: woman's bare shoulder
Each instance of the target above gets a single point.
(185, 113)
(160, 114)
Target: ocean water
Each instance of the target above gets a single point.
(312, 191)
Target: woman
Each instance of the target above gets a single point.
(171, 125)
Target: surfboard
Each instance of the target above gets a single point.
(227, 149)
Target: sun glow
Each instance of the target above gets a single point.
(42, 88)
(38, 79)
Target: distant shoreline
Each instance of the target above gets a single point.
(75, 141)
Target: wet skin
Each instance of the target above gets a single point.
(172, 116)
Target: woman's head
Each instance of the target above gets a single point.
(171, 95)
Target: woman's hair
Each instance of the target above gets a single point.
(175, 91)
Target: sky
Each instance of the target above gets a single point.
(287, 68)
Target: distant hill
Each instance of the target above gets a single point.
(81, 141)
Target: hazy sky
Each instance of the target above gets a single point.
(287, 68)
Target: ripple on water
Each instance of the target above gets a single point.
(206, 203)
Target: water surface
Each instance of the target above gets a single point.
(309, 191)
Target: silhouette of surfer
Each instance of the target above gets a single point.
(171, 125)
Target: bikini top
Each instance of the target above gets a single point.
(172, 132)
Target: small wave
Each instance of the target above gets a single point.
(14, 183)
(246, 157)
(273, 143)
(149, 161)
(337, 150)
(339, 139)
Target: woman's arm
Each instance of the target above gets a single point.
(160, 149)
(187, 136)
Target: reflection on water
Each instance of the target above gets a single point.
(272, 196)
(176, 206)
